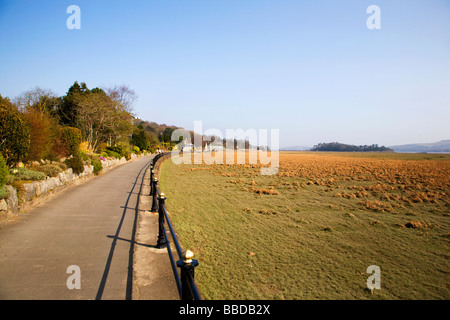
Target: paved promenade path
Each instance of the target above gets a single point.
(91, 226)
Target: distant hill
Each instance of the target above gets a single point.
(441, 146)
(153, 126)
(155, 132)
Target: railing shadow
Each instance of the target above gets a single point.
(129, 282)
(131, 242)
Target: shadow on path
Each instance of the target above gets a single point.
(129, 286)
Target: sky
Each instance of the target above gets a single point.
(311, 69)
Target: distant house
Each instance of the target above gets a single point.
(216, 148)
(188, 148)
(211, 147)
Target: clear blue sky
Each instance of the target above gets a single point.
(309, 68)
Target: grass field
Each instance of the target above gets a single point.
(311, 231)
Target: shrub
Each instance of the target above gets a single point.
(14, 133)
(50, 170)
(84, 147)
(72, 138)
(26, 174)
(41, 129)
(75, 163)
(136, 150)
(3, 171)
(122, 148)
(97, 163)
(62, 165)
(115, 149)
(94, 160)
(4, 193)
(59, 149)
(101, 147)
(83, 155)
(111, 153)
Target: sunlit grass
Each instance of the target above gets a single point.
(327, 218)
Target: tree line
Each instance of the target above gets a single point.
(340, 147)
(38, 124)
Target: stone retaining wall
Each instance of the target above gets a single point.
(35, 189)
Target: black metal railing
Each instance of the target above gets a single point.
(187, 288)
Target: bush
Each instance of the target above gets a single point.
(59, 149)
(14, 133)
(97, 163)
(72, 138)
(136, 150)
(75, 163)
(41, 134)
(4, 193)
(26, 174)
(3, 171)
(50, 170)
(62, 165)
(94, 160)
(110, 153)
(83, 155)
(84, 147)
(101, 147)
(123, 149)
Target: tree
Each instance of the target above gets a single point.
(41, 127)
(340, 147)
(67, 109)
(14, 133)
(124, 96)
(139, 138)
(121, 125)
(166, 135)
(94, 111)
(39, 109)
(38, 100)
(102, 118)
(72, 139)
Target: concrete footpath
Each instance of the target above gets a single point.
(98, 235)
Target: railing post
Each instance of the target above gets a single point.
(152, 174)
(162, 242)
(151, 178)
(187, 266)
(155, 194)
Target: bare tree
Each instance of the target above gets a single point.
(121, 123)
(122, 94)
(37, 99)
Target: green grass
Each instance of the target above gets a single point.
(304, 242)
